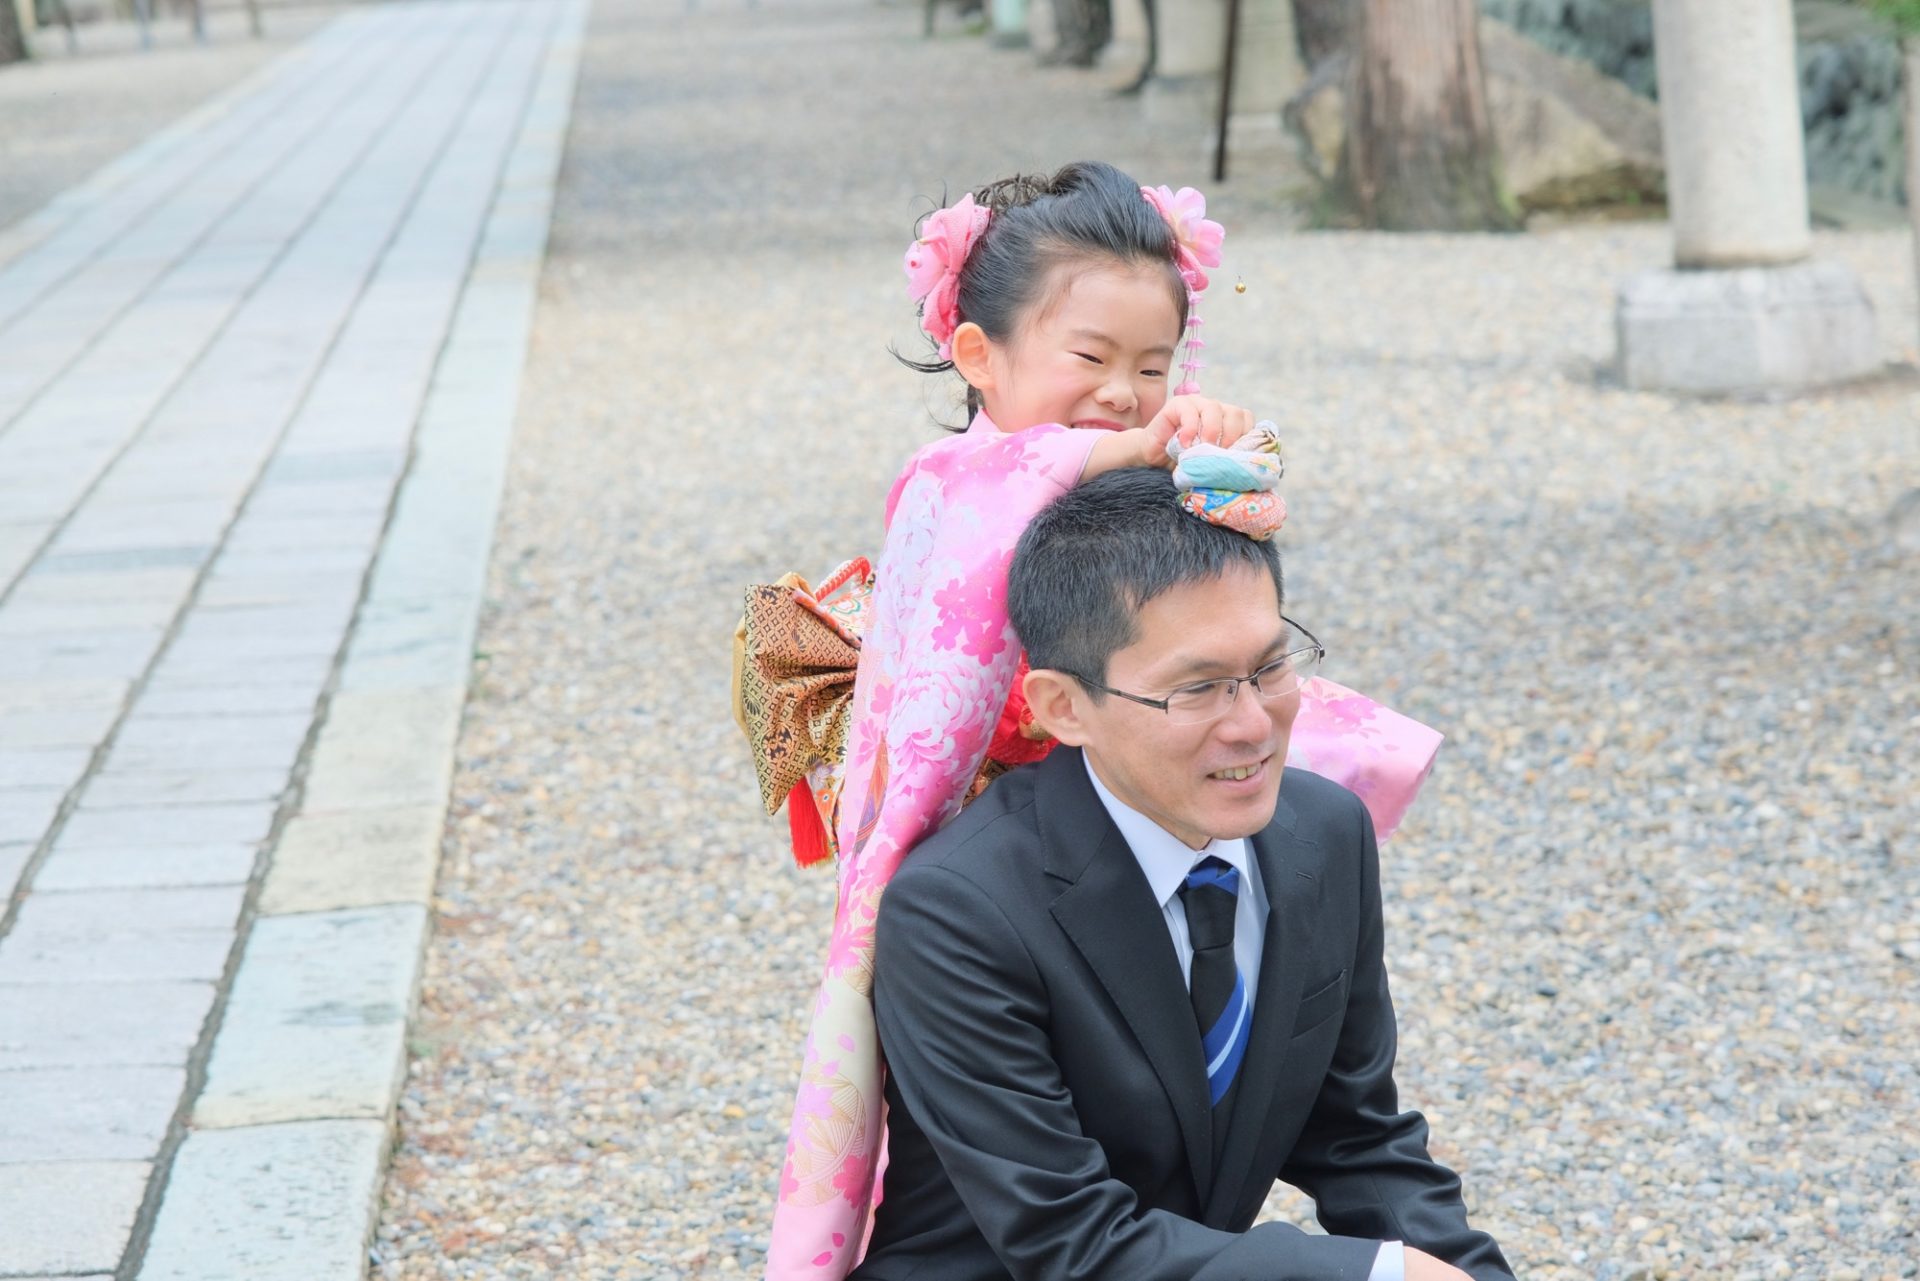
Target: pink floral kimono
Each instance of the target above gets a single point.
(935, 670)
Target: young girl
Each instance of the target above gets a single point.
(1062, 302)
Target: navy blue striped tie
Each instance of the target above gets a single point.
(1218, 990)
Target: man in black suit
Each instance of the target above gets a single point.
(1132, 985)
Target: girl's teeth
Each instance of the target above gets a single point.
(1235, 775)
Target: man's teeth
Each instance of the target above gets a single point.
(1235, 775)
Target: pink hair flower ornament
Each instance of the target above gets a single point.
(933, 265)
(1196, 237)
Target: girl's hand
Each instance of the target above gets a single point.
(1195, 420)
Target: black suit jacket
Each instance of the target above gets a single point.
(1047, 1101)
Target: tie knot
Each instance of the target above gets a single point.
(1208, 895)
(1214, 872)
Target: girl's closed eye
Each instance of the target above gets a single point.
(1091, 360)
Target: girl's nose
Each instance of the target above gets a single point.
(1117, 394)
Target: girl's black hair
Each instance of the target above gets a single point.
(1087, 212)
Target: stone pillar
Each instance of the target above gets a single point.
(1009, 18)
(1743, 311)
(1910, 103)
(1736, 157)
(1193, 37)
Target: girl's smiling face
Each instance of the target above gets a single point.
(1098, 352)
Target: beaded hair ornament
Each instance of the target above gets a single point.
(1234, 486)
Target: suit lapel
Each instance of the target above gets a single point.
(1289, 873)
(1109, 914)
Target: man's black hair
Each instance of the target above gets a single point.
(1092, 560)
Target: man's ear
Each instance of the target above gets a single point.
(973, 356)
(1054, 698)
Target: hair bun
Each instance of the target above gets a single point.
(1010, 193)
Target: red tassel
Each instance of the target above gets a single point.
(803, 822)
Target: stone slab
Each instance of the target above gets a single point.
(120, 935)
(48, 727)
(315, 1026)
(13, 861)
(281, 628)
(355, 858)
(1745, 332)
(150, 586)
(150, 1024)
(420, 642)
(110, 912)
(42, 767)
(212, 785)
(337, 589)
(187, 954)
(116, 563)
(39, 695)
(167, 825)
(263, 742)
(205, 668)
(180, 698)
(66, 1217)
(269, 1203)
(352, 529)
(26, 812)
(142, 867)
(44, 657)
(385, 748)
(33, 618)
(87, 1114)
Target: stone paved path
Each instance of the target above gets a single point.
(257, 385)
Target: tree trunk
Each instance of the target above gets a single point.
(1150, 65)
(1322, 28)
(1419, 147)
(13, 40)
(1085, 27)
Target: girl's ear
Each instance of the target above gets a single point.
(973, 356)
(1053, 698)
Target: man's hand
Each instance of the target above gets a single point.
(1195, 420)
(1422, 1266)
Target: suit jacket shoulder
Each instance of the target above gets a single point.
(1320, 810)
(984, 841)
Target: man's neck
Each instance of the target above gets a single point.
(1192, 840)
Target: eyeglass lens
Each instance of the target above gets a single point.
(1212, 698)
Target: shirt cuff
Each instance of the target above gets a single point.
(1390, 1264)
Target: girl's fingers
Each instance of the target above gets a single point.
(1189, 417)
(1212, 422)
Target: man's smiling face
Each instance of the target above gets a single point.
(1217, 780)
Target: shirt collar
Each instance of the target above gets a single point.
(1163, 857)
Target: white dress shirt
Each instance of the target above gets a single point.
(1165, 860)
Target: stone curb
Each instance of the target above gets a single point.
(280, 1174)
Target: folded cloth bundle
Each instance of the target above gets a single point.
(1233, 486)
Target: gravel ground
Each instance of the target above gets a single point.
(1652, 925)
(66, 113)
